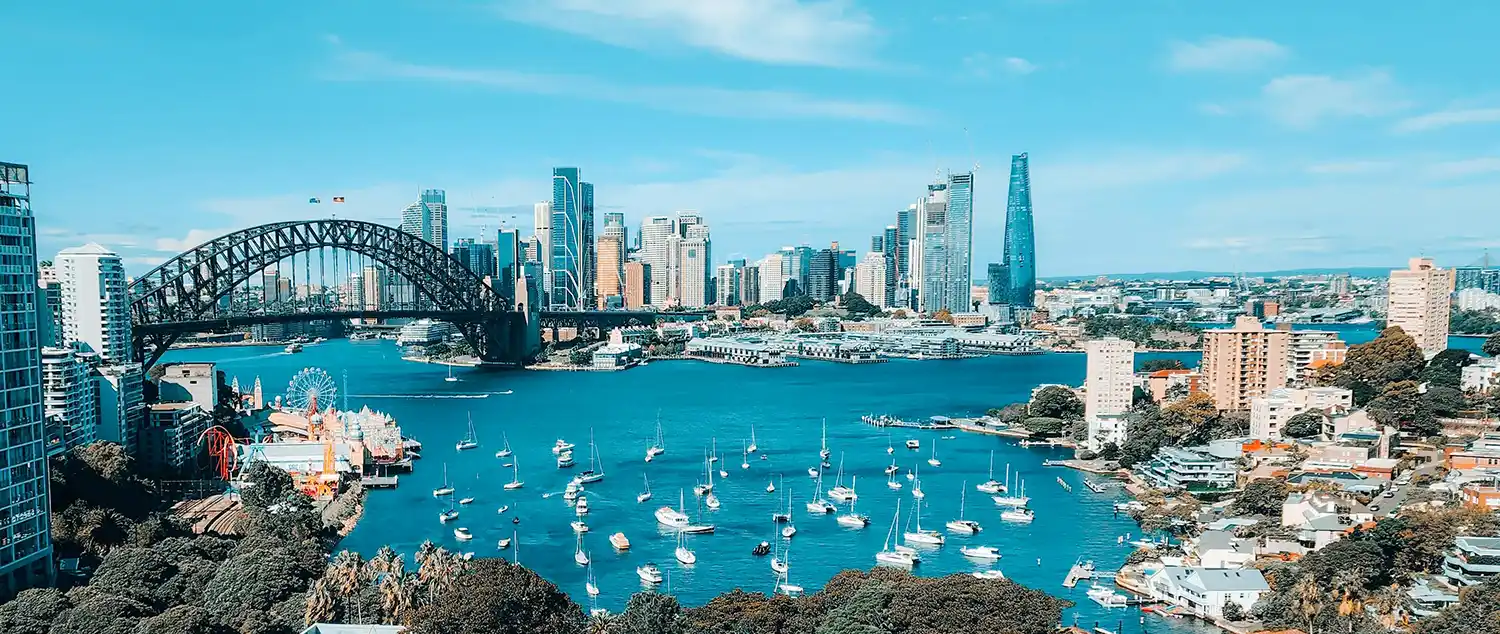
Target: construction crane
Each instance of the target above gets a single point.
(972, 158)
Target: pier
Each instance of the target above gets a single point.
(937, 422)
(379, 482)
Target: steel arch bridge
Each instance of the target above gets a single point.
(186, 294)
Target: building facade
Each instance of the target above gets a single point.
(609, 285)
(822, 275)
(944, 243)
(70, 398)
(1108, 390)
(657, 246)
(692, 270)
(1269, 414)
(95, 302)
(871, 279)
(25, 521)
(1244, 362)
(637, 286)
(1020, 236)
(772, 277)
(572, 233)
(1417, 301)
(428, 218)
(170, 437)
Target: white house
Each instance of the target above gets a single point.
(1221, 549)
(1205, 591)
(1319, 519)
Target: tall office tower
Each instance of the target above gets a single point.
(70, 399)
(800, 266)
(96, 302)
(939, 286)
(482, 259)
(686, 220)
(870, 279)
(354, 291)
(1244, 362)
(542, 229)
(637, 285)
(692, 270)
(960, 240)
(25, 528)
(657, 253)
(614, 226)
(1109, 389)
(374, 287)
(428, 218)
(1020, 238)
(610, 284)
(877, 243)
(1417, 301)
(907, 223)
(727, 285)
(572, 268)
(462, 250)
(749, 283)
(997, 281)
(508, 262)
(822, 276)
(772, 277)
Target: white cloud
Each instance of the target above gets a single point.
(798, 32)
(1225, 54)
(986, 65)
(144, 261)
(1346, 168)
(194, 238)
(1446, 118)
(705, 101)
(1463, 168)
(1303, 101)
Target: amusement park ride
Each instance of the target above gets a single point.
(303, 396)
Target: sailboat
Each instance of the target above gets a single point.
(889, 448)
(817, 504)
(894, 557)
(778, 564)
(1014, 501)
(778, 516)
(853, 519)
(790, 529)
(448, 515)
(891, 482)
(515, 478)
(704, 488)
(1019, 515)
(784, 584)
(933, 460)
(916, 484)
(839, 491)
(659, 447)
(683, 553)
(921, 536)
(824, 453)
(646, 494)
(446, 489)
(451, 378)
(744, 457)
(711, 501)
(990, 486)
(579, 556)
(752, 448)
(962, 525)
(505, 452)
(589, 586)
(471, 440)
(713, 451)
(672, 518)
(595, 472)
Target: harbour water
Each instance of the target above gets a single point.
(700, 404)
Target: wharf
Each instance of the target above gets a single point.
(848, 360)
(379, 482)
(888, 421)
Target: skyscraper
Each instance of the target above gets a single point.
(657, 254)
(822, 276)
(1109, 389)
(800, 263)
(960, 240)
(541, 223)
(906, 232)
(877, 243)
(727, 285)
(614, 226)
(428, 218)
(772, 278)
(637, 285)
(25, 526)
(692, 268)
(507, 263)
(610, 283)
(96, 302)
(1417, 300)
(749, 283)
(572, 268)
(1020, 238)
(945, 241)
(870, 279)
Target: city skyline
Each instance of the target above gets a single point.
(782, 138)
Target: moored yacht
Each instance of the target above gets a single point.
(462, 534)
(921, 535)
(895, 556)
(913, 444)
(980, 552)
(649, 573)
(619, 541)
(962, 525)
(990, 486)
(1020, 515)
(471, 440)
(561, 446)
(672, 518)
(505, 451)
(446, 488)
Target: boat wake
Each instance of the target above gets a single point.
(441, 396)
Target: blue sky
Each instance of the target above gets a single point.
(1163, 135)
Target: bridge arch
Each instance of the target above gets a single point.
(184, 292)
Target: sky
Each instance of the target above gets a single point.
(1163, 134)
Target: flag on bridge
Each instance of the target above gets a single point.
(338, 199)
(313, 201)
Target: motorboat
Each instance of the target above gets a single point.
(505, 452)
(572, 491)
(672, 518)
(812, 472)
(762, 549)
(564, 460)
(503, 544)
(920, 535)
(1107, 597)
(988, 574)
(294, 348)
(466, 501)
(502, 509)
(462, 534)
(649, 573)
(471, 440)
(698, 529)
(913, 444)
(619, 541)
(980, 552)
(1020, 515)
(579, 527)
(582, 507)
(561, 446)
(893, 469)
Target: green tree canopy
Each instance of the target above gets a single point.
(856, 304)
(1262, 496)
(1369, 367)
(1492, 345)
(1446, 368)
(1153, 365)
(498, 597)
(1044, 425)
(1401, 406)
(1056, 401)
(1305, 424)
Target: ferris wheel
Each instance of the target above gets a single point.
(310, 389)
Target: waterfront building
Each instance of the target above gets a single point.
(424, 332)
(657, 253)
(1020, 235)
(743, 350)
(1193, 469)
(428, 218)
(1417, 301)
(1244, 362)
(615, 355)
(1109, 389)
(610, 280)
(96, 302)
(772, 277)
(169, 440)
(1206, 591)
(25, 524)
(1473, 560)
(572, 233)
(70, 399)
(692, 267)
(727, 285)
(871, 280)
(1268, 414)
(637, 285)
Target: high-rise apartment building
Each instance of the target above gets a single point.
(637, 285)
(907, 223)
(70, 396)
(96, 302)
(1109, 387)
(170, 437)
(50, 326)
(1417, 301)
(749, 283)
(870, 279)
(1020, 237)
(1244, 362)
(727, 285)
(508, 261)
(799, 265)
(960, 241)
(25, 520)
(692, 269)
(572, 253)
(610, 285)
(614, 226)
(428, 218)
(772, 277)
(657, 253)
(374, 287)
(932, 270)
(542, 231)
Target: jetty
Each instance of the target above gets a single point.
(1066, 487)
(1084, 571)
(935, 423)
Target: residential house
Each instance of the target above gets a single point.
(1221, 549)
(1194, 469)
(1320, 518)
(1472, 561)
(1205, 591)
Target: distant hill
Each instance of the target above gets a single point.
(1353, 271)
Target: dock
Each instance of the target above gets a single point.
(1093, 486)
(891, 421)
(1084, 571)
(1066, 487)
(379, 482)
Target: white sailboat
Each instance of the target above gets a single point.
(889, 448)
(770, 487)
(470, 441)
(712, 502)
(784, 584)
(659, 447)
(683, 553)
(646, 494)
(790, 529)
(933, 460)
(752, 448)
(1013, 501)
(916, 484)
(451, 378)
(446, 488)
(839, 491)
(589, 586)
(1020, 515)
(990, 486)
(713, 450)
(853, 519)
(894, 557)
(920, 535)
(580, 557)
(515, 478)
(824, 453)
(595, 472)
(505, 451)
(744, 457)
(891, 482)
(961, 525)
(448, 515)
(817, 504)
(704, 488)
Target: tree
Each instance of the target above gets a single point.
(1262, 496)
(1056, 402)
(943, 315)
(1011, 414)
(1492, 345)
(256, 581)
(1369, 367)
(1474, 322)
(1233, 612)
(1444, 401)
(856, 304)
(1154, 365)
(1475, 613)
(1044, 425)
(33, 611)
(1305, 424)
(1446, 368)
(1109, 451)
(649, 613)
(495, 596)
(1401, 406)
(182, 619)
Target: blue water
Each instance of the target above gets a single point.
(698, 403)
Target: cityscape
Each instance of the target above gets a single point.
(436, 407)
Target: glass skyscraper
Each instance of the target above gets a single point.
(946, 244)
(1020, 238)
(428, 218)
(572, 283)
